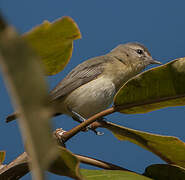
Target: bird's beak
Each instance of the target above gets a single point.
(153, 61)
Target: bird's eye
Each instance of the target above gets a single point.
(139, 51)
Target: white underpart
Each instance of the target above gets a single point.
(91, 98)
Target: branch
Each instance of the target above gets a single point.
(16, 169)
(19, 167)
(99, 163)
(69, 134)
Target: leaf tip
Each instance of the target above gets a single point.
(2, 156)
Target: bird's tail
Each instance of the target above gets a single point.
(14, 116)
(11, 117)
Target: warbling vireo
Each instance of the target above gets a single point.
(90, 87)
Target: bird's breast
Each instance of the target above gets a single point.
(92, 97)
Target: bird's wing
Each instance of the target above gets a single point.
(81, 74)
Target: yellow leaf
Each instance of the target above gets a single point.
(2, 156)
(28, 89)
(168, 148)
(157, 88)
(111, 175)
(66, 164)
(54, 43)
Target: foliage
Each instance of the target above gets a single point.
(111, 175)
(2, 156)
(139, 95)
(53, 43)
(34, 111)
(168, 148)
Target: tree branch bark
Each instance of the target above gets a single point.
(19, 167)
(69, 134)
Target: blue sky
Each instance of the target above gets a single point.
(160, 25)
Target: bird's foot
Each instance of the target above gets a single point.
(77, 117)
(98, 133)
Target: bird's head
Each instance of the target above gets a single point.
(135, 54)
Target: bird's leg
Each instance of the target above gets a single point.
(77, 117)
(98, 133)
(93, 126)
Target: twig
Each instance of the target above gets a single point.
(99, 163)
(69, 134)
(19, 167)
(16, 169)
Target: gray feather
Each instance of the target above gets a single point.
(80, 75)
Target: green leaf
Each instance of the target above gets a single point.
(66, 164)
(54, 43)
(2, 156)
(25, 81)
(111, 175)
(168, 148)
(165, 172)
(157, 88)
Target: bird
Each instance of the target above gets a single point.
(91, 86)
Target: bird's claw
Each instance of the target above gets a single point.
(81, 119)
(98, 133)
